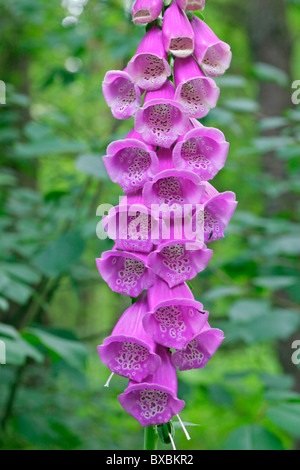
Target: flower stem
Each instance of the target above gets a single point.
(151, 438)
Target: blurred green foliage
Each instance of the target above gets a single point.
(54, 307)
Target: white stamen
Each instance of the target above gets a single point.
(172, 441)
(184, 428)
(108, 382)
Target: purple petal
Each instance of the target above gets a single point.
(178, 35)
(174, 315)
(149, 68)
(162, 119)
(203, 150)
(130, 351)
(177, 262)
(132, 225)
(218, 212)
(197, 93)
(121, 94)
(213, 55)
(154, 401)
(126, 273)
(146, 11)
(199, 351)
(130, 163)
(172, 189)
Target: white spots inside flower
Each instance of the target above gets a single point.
(114, 260)
(196, 152)
(130, 358)
(125, 94)
(170, 320)
(212, 62)
(139, 227)
(191, 356)
(192, 96)
(152, 403)
(181, 46)
(160, 119)
(135, 163)
(149, 70)
(129, 276)
(211, 226)
(169, 190)
(177, 260)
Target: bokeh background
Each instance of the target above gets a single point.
(54, 307)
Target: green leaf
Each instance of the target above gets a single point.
(269, 144)
(231, 81)
(279, 382)
(8, 330)
(286, 417)
(271, 123)
(199, 15)
(164, 430)
(91, 165)
(275, 282)
(18, 350)
(248, 309)
(220, 395)
(241, 105)
(4, 304)
(282, 395)
(285, 245)
(268, 73)
(288, 153)
(253, 437)
(278, 324)
(22, 272)
(17, 292)
(50, 146)
(72, 352)
(221, 292)
(58, 257)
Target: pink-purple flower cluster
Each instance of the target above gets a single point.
(167, 160)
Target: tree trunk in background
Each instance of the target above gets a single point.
(271, 43)
(14, 70)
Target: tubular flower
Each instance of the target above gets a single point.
(178, 35)
(175, 316)
(130, 162)
(217, 213)
(179, 261)
(196, 92)
(170, 211)
(171, 188)
(149, 68)
(121, 94)
(130, 350)
(161, 119)
(191, 5)
(132, 226)
(203, 150)
(213, 55)
(126, 273)
(154, 401)
(200, 350)
(146, 11)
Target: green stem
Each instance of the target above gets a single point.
(151, 438)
